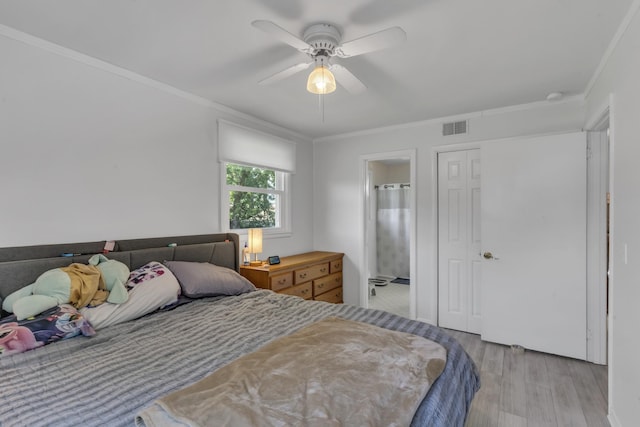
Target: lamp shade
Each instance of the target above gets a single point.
(321, 81)
(254, 238)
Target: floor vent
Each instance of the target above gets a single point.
(454, 128)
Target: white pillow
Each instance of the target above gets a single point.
(152, 286)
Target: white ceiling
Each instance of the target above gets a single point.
(460, 55)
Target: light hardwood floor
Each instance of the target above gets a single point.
(533, 389)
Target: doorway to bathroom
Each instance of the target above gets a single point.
(388, 244)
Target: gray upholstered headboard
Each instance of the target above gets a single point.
(21, 266)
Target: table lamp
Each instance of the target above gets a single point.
(254, 237)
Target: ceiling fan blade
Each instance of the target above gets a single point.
(282, 35)
(347, 80)
(376, 41)
(281, 75)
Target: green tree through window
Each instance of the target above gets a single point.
(253, 197)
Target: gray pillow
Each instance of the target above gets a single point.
(202, 279)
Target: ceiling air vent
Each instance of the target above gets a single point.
(454, 128)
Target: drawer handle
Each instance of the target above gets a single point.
(323, 269)
(303, 275)
(337, 280)
(282, 281)
(321, 285)
(305, 291)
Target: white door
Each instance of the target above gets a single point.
(533, 212)
(459, 240)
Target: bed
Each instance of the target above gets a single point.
(110, 377)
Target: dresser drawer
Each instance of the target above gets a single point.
(302, 291)
(307, 275)
(335, 266)
(333, 296)
(327, 283)
(310, 273)
(281, 281)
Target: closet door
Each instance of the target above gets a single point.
(459, 241)
(534, 242)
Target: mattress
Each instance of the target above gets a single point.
(107, 379)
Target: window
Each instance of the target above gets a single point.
(256, 169)
(256, 197)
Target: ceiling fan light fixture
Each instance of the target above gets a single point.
(321, 81)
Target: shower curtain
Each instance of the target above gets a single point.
(392, 230)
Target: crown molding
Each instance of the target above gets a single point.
(439, 120)
(103, 65)
(107, 67)
(622, 29)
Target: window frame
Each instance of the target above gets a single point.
(283, 206)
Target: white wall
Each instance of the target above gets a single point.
(621, 78)
(338, 187)
(89, 152)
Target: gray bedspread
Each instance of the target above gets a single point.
(105, 380)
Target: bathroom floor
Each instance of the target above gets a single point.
(392, 297)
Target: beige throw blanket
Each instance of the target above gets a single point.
(334, 372)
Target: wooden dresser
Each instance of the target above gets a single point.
(312, 275)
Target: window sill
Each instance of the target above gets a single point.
(266, 233)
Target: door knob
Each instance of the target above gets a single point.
(487, 255)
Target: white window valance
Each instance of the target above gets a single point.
(239, 144)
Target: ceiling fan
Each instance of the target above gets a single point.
(321, 42)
